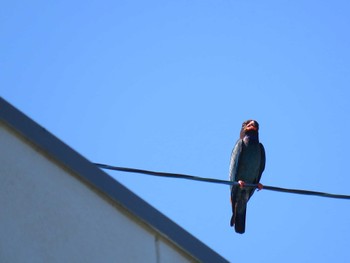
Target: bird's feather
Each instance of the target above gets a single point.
(247, 164)
(236, 153)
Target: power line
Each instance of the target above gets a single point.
(218, 181)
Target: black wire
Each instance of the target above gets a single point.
(218, 181)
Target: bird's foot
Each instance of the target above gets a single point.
(260, 186)
(241, 184)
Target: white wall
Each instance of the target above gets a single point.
(48, 215)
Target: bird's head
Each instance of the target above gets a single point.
(249, 127)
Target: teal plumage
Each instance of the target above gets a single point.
(246, 166)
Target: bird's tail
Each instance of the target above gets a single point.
(238, 218)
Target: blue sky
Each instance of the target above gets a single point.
(165, 86)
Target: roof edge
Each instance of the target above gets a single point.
(103, 182)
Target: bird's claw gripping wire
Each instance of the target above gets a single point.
(241, 184)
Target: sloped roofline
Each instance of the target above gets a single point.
(104, 183)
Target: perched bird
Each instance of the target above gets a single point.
(246, 166)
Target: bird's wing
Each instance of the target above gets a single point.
(236, 153)
(234, 162)
(262, 162)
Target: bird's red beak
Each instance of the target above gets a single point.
(251, 126)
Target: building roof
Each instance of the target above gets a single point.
(104, 183)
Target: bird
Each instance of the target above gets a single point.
(246, 167)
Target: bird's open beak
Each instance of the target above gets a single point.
(252, 126)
